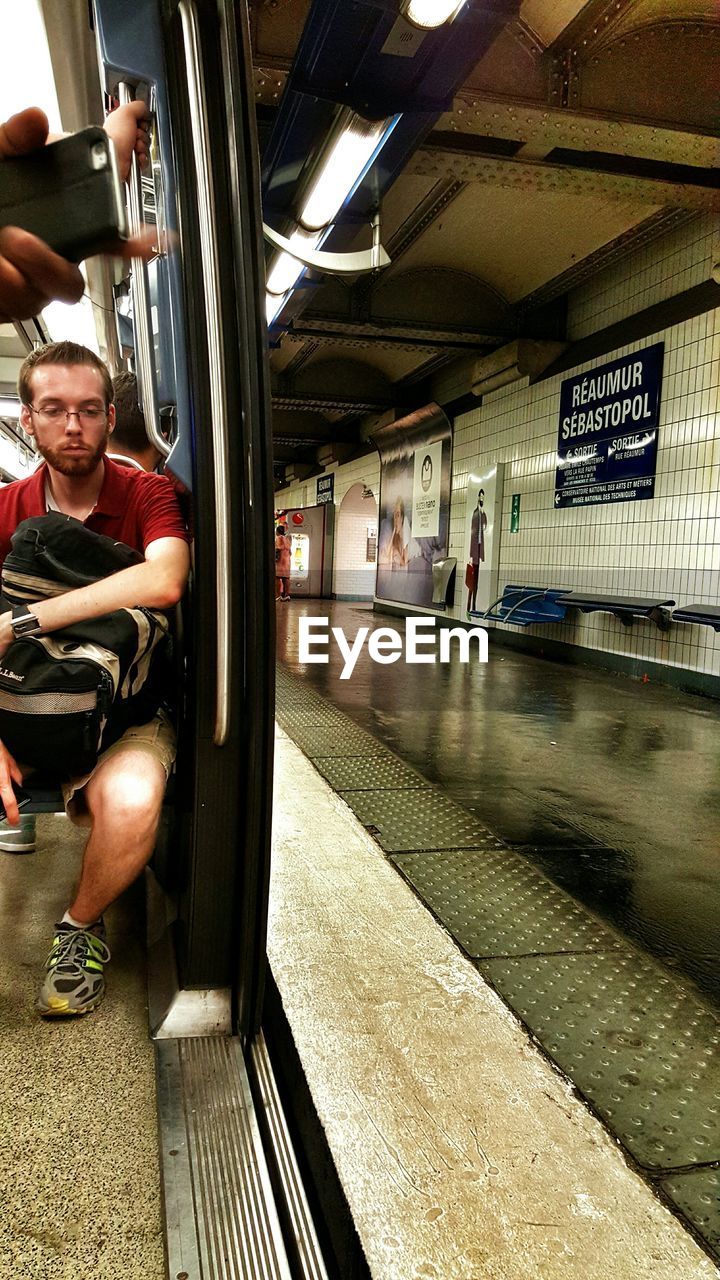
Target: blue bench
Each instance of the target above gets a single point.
(525, 606)
(626, 608)
(704, 615)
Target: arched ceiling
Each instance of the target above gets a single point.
(585, 130)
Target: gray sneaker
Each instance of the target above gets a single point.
(74, 982)
(18, 839)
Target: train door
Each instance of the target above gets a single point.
(190, 63)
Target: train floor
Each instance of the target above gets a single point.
(79, 1158)
(560, 824)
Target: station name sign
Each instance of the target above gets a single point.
(325, 489)
(608, 431)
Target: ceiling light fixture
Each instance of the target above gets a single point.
(429, 14)
(343, 168)
(286, 270)
(347, 159)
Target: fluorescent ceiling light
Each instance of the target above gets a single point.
(429, 14)
(286, 270)
(272, 305)
(343, 168)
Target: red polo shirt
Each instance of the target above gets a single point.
(134, 507)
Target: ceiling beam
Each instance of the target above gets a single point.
(514, 120)
(328, 404)
(395, 335)
(548, 176)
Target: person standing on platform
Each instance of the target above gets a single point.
(283, 546)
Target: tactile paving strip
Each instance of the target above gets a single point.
(639, 1047)
(369, 773)
(413, 820)
(697, 1196)
(303, 717)
(336, 740)
(497, 905)
(293, 695)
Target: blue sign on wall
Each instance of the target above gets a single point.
(607, 435)
(325, 489)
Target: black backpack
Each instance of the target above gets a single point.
(66, 696)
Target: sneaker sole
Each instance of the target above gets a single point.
(17, 848)
(59, 1008)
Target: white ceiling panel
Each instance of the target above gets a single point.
(517, 241)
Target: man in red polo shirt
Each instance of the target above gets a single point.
(66, 394)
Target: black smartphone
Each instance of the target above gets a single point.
(22, 796)
(67, 193)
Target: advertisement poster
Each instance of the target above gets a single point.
(415, 461)
(482, 520)
(608, 431)
(426, 491)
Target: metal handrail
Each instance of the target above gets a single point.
(147, 393)
(495, 617)
(201, 140)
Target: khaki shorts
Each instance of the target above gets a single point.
(156, 738)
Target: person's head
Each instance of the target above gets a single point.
(66, 398)
(130, 435)
(398, 515)
(481, 497)
(280, 530)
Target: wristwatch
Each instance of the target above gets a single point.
(23, 622)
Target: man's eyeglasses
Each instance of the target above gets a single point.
(55, 414)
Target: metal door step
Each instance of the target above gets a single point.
(221, 1219)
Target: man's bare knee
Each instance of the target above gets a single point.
(127, 788)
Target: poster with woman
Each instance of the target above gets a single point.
(415, 456)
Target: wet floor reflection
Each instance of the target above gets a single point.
(610, 786)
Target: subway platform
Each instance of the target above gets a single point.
(560, 825)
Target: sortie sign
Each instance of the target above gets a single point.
(608, 431)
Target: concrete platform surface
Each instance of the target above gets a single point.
(78, 1160)
(463, 1154)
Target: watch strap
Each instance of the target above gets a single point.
(24, 622)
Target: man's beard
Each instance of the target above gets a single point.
(73, 464)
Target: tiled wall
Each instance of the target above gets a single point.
(355, 535)
(667, 546)
(661, 270)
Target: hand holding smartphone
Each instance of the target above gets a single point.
(67, 193)
(38, 267)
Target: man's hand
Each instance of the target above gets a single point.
(31, 273)
(128, 127)
(9, 773)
